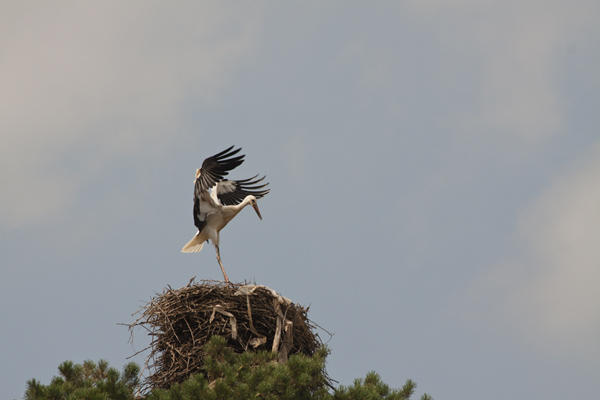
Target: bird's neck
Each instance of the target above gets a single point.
(234, 209)
(247, 200)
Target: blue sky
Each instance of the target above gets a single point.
(433, 165)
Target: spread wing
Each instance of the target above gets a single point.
(233, 192)
(216, 167)
(213, 170)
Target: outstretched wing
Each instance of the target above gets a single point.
(233, 192)
(213, 170)
(216, 167)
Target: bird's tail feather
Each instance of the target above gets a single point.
(194, 245)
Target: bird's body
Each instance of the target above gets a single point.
(217, 201)
(215, 221)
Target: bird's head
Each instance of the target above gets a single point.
(252, 201)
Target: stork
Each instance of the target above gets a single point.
(217, 200)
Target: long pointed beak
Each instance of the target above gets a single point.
(255, 206)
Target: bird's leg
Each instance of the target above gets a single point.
(221, 264)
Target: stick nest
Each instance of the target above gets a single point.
(181, 321)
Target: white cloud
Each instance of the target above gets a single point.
(520, 49)
(105, 76)
(549, 293)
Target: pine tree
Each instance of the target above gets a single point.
(87, 381)
(226, 375)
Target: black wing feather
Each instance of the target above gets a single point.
(229, 192)
(233, 192)
(200, 223)
(214, 168)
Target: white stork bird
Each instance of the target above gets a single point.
(218, 200)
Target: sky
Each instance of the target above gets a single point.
(433, 166)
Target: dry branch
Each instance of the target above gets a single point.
(181, 321)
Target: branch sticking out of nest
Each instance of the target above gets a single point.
(181, 322)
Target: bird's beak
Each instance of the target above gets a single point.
(255, 206)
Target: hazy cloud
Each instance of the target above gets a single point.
(548, 293)
(519, 48)
(94, 82)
